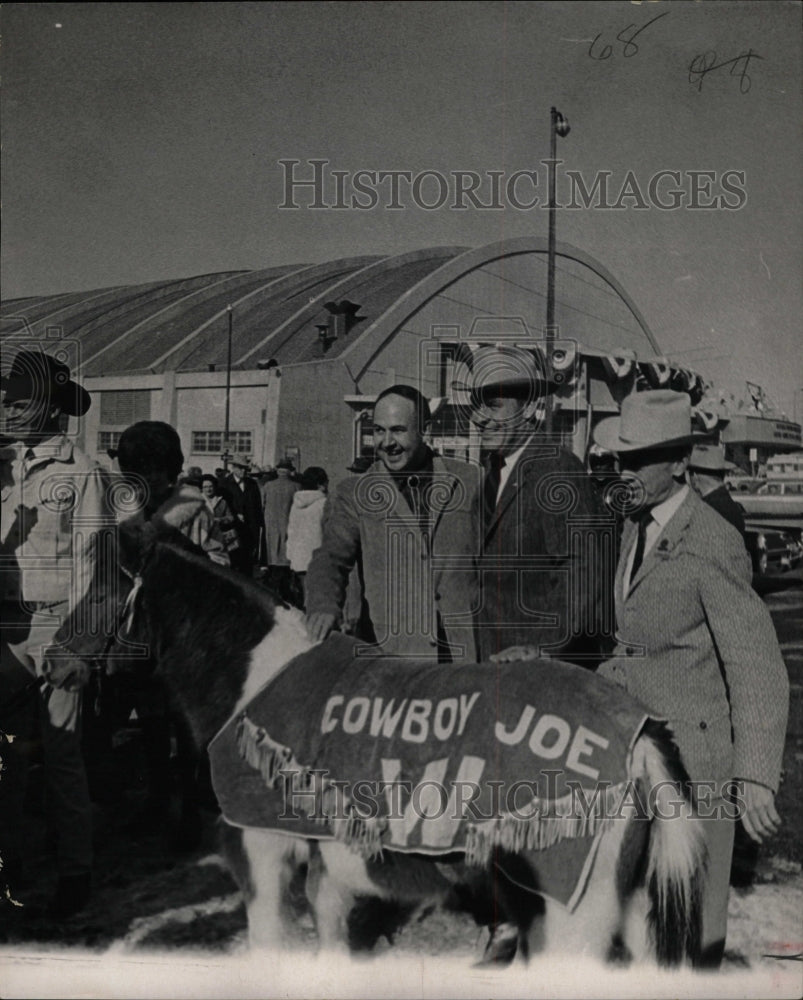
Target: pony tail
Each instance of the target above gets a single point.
(677, 855)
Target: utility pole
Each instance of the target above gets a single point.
(228, 394)
(558, 127)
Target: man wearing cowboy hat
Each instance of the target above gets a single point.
(54, 503)
(529, 609)
(694, 641)
(707, 468)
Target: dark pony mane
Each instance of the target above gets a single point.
(201, 621)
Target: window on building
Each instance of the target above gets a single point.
(125, 406)
(108, 439)
(211, 442)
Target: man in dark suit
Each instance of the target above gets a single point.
(245, 501)
(695, 643)
(542, 586)
(707, 468)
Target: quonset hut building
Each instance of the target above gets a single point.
(313, 344)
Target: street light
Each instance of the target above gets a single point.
(558, 127)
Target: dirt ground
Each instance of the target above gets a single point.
(149, 899)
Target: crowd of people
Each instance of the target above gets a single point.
(420, 556)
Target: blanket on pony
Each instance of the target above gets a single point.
(394, 754)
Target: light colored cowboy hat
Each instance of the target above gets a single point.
(242, 461)
(657, 418)
(710, 458)
(39, 376)
(506, 368)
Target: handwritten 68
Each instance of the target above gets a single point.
(629, 47)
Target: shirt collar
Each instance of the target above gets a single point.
(663, 512)
(58, 448)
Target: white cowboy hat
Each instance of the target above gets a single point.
(658, 418)
(506, 368)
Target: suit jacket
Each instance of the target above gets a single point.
(412, 578)
(723, 503)
(542, 581)
(246, 503)
(697, 645)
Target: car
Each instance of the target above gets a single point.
(773, 550)
(781, 488)
(744, 484)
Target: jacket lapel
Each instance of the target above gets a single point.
(627, 542)
(442, 490)
(668, 540)
(522, 471)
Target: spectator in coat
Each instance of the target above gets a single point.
(405, 520)
(221, 512)
(55, 509)
(304, 525)
(532, 491)
(242, 494)
(707, 469)
(277, 498)
(695, 643)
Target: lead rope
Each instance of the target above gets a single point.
(127, 611)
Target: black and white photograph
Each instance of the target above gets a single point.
(402, 499)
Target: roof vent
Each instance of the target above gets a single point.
(342, 317)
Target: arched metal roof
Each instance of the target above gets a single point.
(182, 325)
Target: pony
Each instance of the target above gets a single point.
(218, 638)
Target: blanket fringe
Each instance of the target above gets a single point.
(539, 824)
(280, 770)
(363, 834)
(546, 823)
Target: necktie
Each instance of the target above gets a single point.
(641, 541)
(493, 475)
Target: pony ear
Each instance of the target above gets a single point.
(136, 537)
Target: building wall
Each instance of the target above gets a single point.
(315, 419)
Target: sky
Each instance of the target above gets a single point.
(143, 142)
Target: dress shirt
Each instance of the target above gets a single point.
(660, 516)
(510, 463)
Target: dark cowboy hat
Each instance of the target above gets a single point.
(39, 376)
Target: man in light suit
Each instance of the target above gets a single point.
(408, 521)
(694, 641)
(542, 584)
